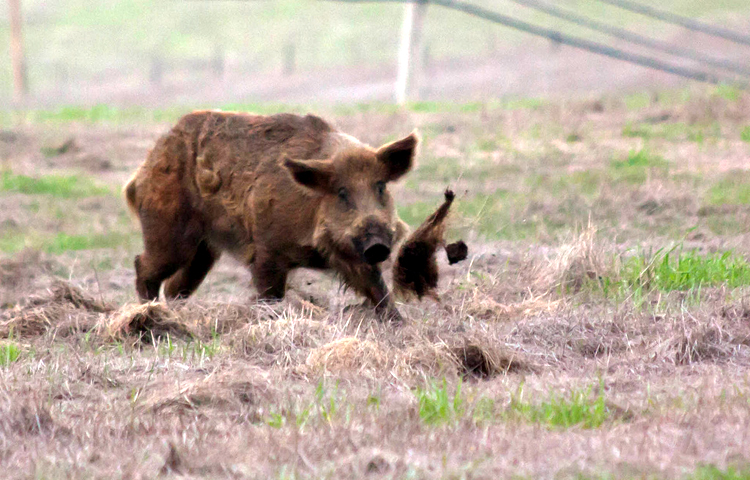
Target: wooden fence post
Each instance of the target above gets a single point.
(20, 86)
(410, 52)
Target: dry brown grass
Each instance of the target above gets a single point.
(147, 322)
(348, 354)
(227, 389)
(64, 308)
(585, 259)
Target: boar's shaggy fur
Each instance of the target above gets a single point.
(277, 192)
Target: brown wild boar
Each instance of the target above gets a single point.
(277, 192)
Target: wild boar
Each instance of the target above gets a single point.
(277, 192)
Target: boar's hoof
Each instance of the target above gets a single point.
(391, 316)
(456, 252)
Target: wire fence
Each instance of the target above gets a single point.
(581, 43)
(676, 19)
(635, 38)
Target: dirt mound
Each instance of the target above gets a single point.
(473, 358)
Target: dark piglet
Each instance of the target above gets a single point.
(415, 271)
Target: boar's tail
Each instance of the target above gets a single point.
(129, 190)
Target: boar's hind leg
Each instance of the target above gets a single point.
(184, 282)
(269, 277)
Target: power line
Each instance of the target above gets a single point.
(633, 37)
(576, 42)
(688, 23)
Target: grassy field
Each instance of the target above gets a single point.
(599, 328)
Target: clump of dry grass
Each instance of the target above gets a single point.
(216, 318)
(65, 292)
(27, 322)
(24, 413)
(586, 258)
(64, 307)
(145, 322)
(468, 357)
(348, 354)
(705, 342)
(371, 462)
(284, 341)
(704, 109)
(484, 307)
(230, 388)
(485, 361)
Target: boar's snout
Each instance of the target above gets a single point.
(375, 243)
(377, 249)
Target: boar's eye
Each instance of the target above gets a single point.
(380, 188)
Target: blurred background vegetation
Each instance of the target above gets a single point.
(141, 51)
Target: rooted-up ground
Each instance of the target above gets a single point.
(599, 328)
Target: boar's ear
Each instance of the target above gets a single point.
(398, 156)
(315, 174)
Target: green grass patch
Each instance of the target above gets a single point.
(727, 92)
(522, 103)
(103, 113)
(62, 242)
(12, 240)
(16, 240)
(669, 270)
(637, 101)
(437, 405)
(578, 408)
(9, 353)
(637, 131)
(711, 472)
(61, 186)
(674, 132)
(745, 134)
(585, 182)
(636, 166)
(732, 189)
(487, 144)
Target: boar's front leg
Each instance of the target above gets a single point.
(370, 283)
(269, 276)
